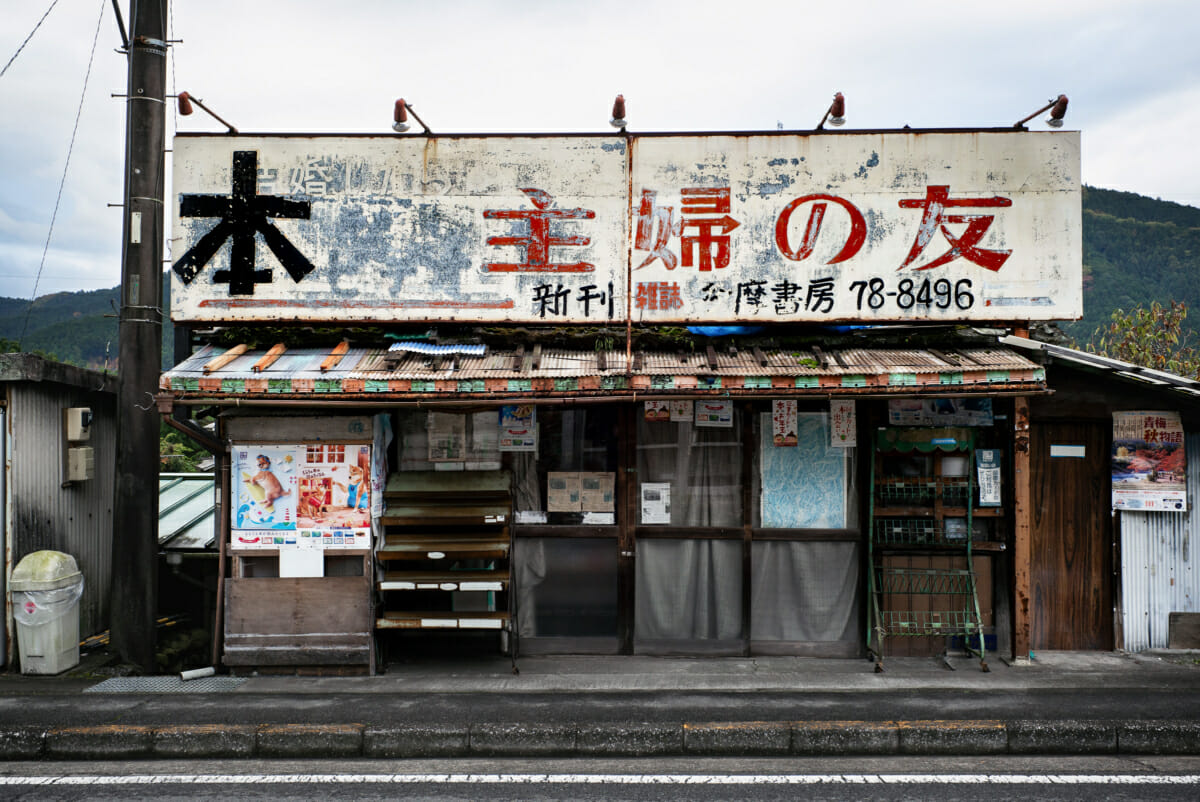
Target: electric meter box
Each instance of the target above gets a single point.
(81, 464)
(79, 422)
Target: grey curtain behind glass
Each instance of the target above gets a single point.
(703, 466)
(689, 590)
(804, 591)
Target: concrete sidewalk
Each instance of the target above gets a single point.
(1061, 703)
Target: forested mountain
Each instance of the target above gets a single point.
(1135, 250)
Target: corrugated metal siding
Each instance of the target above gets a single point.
(76, 520)
(1158, 565)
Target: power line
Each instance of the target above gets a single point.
(27, 38)
(62, 183)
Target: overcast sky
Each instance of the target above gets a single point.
(1131, 70)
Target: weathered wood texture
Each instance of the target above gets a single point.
(1070, 582)
(297, 621)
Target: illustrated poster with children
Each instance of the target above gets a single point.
(334, 487)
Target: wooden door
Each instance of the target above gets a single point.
(1071, 540)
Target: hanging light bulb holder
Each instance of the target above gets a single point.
(400, 114)
(186, 100)
(835, 115)
(618, 114)
(1057, 108)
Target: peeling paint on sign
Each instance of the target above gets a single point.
(716, 228)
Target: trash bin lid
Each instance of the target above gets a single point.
(44, 570)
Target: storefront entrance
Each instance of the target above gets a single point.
(639, 531)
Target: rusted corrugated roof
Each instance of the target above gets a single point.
(376, 373)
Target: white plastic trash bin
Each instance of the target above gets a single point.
(46, 587)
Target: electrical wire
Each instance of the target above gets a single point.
(27, 38)
(62, 183)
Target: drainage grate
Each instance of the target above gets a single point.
(170, 684)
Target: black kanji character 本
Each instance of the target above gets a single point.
(243, 213)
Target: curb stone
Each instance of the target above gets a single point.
(845, 738)
(204, 741)
(104, 742)
(738, 738)
(1062, 738)
(309, 740)
(753, 738)
(953, 737)
(421, 740)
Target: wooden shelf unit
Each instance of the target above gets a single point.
(446, 533)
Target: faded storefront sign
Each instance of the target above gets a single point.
(657, 229)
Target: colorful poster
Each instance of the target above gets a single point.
(714, 414)
(335, 487)
(658, 410)
(843, 421)
(264, 486)
(681, 411)
(783, 423)
(1149, 462)
(518, 428)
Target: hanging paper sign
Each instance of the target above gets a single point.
(681, 411)
(656, 502)
(714, 414)
(658, 410)
(987, 472)
(518, 427)
(1149, 463)
(783, 423)
(843, 422)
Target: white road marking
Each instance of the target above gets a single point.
(610, 779)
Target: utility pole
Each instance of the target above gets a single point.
(134, 596)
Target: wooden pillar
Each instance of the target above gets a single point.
(1022, 530)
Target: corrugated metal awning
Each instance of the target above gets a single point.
(380, 374)
(186, 512)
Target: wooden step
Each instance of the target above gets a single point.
(495, 580)
(442, 619)
(399, 547)
(437, 514)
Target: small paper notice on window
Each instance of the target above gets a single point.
(987, 461)
(656, 503)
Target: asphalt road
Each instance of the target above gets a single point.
(692, 779)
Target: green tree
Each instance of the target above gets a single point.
(1153, 338)
(177, 452)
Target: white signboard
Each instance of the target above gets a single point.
(753, 228)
